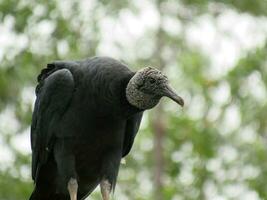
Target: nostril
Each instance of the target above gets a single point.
(152, 80)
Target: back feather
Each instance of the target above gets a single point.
(50, 68)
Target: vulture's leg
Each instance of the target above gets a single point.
(105, 187)
(110, 168)
(65, 160)
(73, 188)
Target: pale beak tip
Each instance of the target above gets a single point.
(180, 102)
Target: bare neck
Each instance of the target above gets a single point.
(138, 98)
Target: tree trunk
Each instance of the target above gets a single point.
(158, 123)
(159, 134)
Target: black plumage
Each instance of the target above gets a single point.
(82, 125)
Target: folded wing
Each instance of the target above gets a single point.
(54, 93)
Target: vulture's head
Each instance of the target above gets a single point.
(147, 86)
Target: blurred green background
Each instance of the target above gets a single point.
(214, 53)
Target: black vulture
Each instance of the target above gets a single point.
(86, 116)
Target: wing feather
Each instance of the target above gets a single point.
(54, 92)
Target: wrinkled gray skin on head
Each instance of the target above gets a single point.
(147, 86)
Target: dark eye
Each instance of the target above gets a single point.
(151, 80)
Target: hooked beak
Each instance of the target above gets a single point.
(169, 92)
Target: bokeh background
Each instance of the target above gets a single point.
(215, 55)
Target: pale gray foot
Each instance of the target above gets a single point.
(73, 188)
(105, 187)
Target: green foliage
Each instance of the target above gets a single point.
(257, 7)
